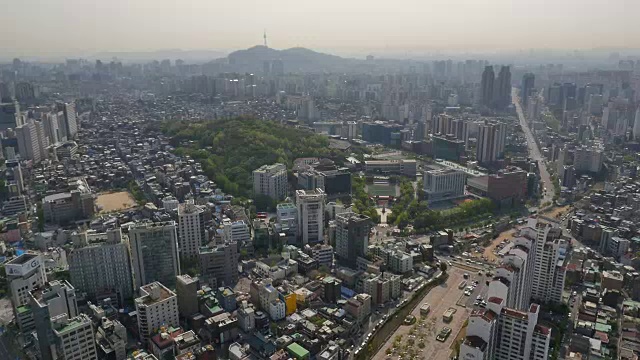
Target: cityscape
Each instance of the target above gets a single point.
(275, 203)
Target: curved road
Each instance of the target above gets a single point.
(534, 151)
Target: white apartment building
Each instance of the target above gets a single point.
(170, 203)
(588, 158)
(513, 278)
(310, 205)
(24, 273)
(246, 317)
(191, 229)
(323, 254)
(154, 252)
(277, 310)
(157, 306)
(287, 218)
(32, 141)
(491, 138)
(445, 184)
(271, 180)
(237, 231)
(550, 267)
(74, 338)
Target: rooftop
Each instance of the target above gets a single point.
(475, 342)
(23, 259)
(154, 293)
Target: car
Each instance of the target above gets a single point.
(465, 275)
(479, 297)
(483, 304)
(444, 334)
(479, 273)
(575, 293)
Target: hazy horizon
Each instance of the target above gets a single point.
(59, 28)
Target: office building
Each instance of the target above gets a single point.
(443, 184)
(352, 237)
(271, 180)
(157, 306)
(487, 86)
(111, 340)
(32, 141)
(526, 89)
(390, 167)
(310, 205)
(322, 254)
(236, 231)
(24, 273)
(154, 252)
(66, 207)
(10, 116)
(219, 265)
(187, 292)
(191, 229)
(491, 139)
(100, 267)
(287, 218)
(53, 301)
(636, 125)
(70, 119)
(447, 147)
(74, 338)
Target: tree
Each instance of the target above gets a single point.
(443, 267)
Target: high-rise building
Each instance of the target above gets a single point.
(191, 229)
(508, 328)
(50, 121)
(271, 180)
(157, 306)
(487, 86)
(53, 301)
(10, 117)
(310, 206)
(111, 340)
(491, 139)
(443, 184)
(154, 252)
(74, 338)
(219, 265)
(636, 125)
(187, 291)
(32, 141)
(352, 237)
(551, 259)
(502, 91)
(528, 83)
(287, 218)
(24, 273)
(99, 265)
(70, 118)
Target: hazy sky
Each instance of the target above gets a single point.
(30, 27)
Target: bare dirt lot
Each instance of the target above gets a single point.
(115, 201)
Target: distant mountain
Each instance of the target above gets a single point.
(189, 56)
(295, 60)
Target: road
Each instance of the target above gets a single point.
(440, 298)
(534, 151)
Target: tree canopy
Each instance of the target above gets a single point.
(230, 149)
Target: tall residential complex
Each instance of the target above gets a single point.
(271, 180)
(32, 141)
(154, 252)
(508, 328)
(491, 139)
(219, 264)
(486, 86)
(191, 229)
(157, 306)
(443, 184)
(99, 265)
(502, 91)
(310, 206)
(352, 237)
(528, 84)
(70, 119)
(10, 117)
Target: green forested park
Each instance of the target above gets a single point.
(230, 149)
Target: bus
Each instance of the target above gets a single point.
(424, 309)
(462, 284)
(261, 215)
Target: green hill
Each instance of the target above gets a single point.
(230, 149)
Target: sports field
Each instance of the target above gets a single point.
(382, 190)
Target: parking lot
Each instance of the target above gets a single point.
(420, 339)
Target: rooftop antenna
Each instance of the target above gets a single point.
(265, 38)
